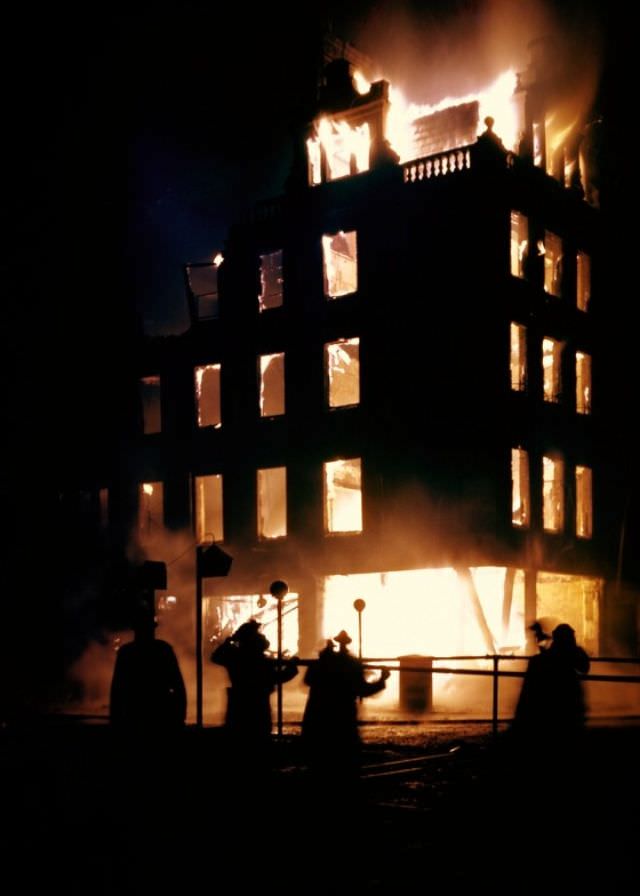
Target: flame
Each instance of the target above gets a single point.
(147, 488)
(218, 259)
(497, 101)
(361, 84)
(341, 143)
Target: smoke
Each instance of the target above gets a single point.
(436, 53)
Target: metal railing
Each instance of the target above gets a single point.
(495, 672)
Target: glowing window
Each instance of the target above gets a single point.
(202, 282)
(150, 508)
(343, 495)
(520, 503)
(584, 502)
(272, 385)
(518, 335)
(150, 397)
(272, 502)
(519, 243)
(340, 264)
(346, 150)
(552, 494)
(270, 280)
(552, 263)
(538, 143)
(583, 383)
(551, 369)
(583, 281)
(209, 520)
(342, 365)
(207, 380)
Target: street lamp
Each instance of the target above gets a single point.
(358, 606)
(279, 591)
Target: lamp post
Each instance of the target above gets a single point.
(358, 606)
(279, 591)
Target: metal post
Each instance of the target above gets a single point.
(279, 590)
(279, 599)
(494, 709)
(198, 641)
(359, 606)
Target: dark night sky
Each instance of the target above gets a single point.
(148, 129)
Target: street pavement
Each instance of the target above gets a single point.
(437, 806)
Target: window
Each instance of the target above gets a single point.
(272, 502)
(584, 502)
(343, 495)
(583, 383)
(552, 494)
(518, 357)
(346, 150)
(209, 524)
(551, 369)
(519, 243)
(103, 504)
(552, 263)
(272, 385)
(340, 264)
(270, 280)
(583, 280)
(150, 397)
(150, 508)
(520, 503)
(342, 366)
(202, 282)
(207, 380)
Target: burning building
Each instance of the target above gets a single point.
(391, 385)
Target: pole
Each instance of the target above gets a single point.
(279, 599)
(198, 642)
(358, 606)
(279, 590)
(494, 708)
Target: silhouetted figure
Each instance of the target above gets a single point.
(147, 690)
(253, 678)
(330, 722)
(543, 639)
(550, 714)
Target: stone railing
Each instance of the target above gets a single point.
(450, 162)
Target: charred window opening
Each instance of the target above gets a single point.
(150, 508)
(583, 281)
(202, 280)
(340, 264)
(518, 335)
(583, 383)
(150, 396)
(272, 502)
(552, 264)
(103, 505)
(270, 280)
(551, 369)
(209, 519)
(519, 243)
(552, 494)
(272, 385)
(345, 149)
(538, 144)
(584, 502)
(207, 379)
(342, 366)
(343, 495)
(520, 497)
